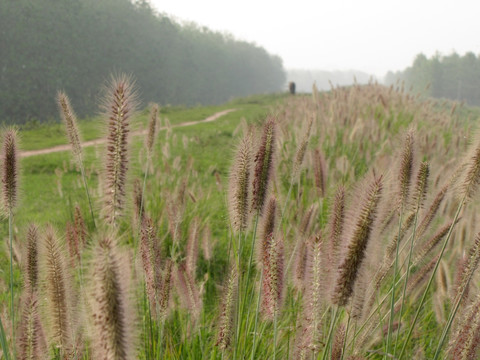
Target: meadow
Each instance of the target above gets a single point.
(336, 225)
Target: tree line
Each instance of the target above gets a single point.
(452, 77)
(74, 45)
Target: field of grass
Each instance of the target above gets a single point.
(338, 225)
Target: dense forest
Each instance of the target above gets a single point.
(453, 77)
(74, 45)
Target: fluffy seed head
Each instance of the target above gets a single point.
(164, 295)
(227, 315)
(58, 292)
(70, 120)
(430, 244)
(72, 242)
(31, 269)
(313, 298)
(192, 248)
(273, 276)
(111, 312)
(471, 177)
(337, 347)
(264, 165)
(421, 185)
(469, 268)
(80, 227)
(139, 210)
(267, 228)
(431, 212)
(336, 223)
(405, 171)
(188, 291)
(119, 109)
(31, 338)
(10, 171)
(146, 240)
(466, 339)
(320, 171)
(239, 185)
(152, 126)
(302, 148)
(207, 245)
(348, 269)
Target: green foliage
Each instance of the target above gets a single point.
(452, 77)
(72, 45)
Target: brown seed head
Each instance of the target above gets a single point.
(112, 337)
(192, 248)
(139, 210)
(320, 171)
(267, 229)
(405, 171)
(31, 338)
(58, 292)
(431, 212)
(10, 172)
(152, 126)
(227, 315)
(264, 165)
(335, 225)
(147, 238)
(164, 295)
(120, 107)
(471, 177)
(273, 278)
(337, 347)
(302, 148)
(421, 185)
(31, 269)
(188, 291)
(70, 120)
(239, 185)
(349, 266)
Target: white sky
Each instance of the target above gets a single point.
(374, 36)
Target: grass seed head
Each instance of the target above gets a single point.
(320, 172)
(31, 342)
(119, 106)
(70, 120)
(227, 315)
(264, 165)
(471, 176)
(267, 229)
(10, 170)
(31, 268)
(58, 292)
(273, 278)
(152, 127)
(421, 185)
(406, 169)
(239, 185)
(113, 335)
(349, 266)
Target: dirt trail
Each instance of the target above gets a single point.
(67, 147)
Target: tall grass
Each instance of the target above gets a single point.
(318, 248)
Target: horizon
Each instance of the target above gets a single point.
(374, 36)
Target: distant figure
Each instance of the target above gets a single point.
(291, 87)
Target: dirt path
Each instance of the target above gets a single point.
(67, 147)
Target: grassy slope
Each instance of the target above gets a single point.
(50, 184)
(43, 199)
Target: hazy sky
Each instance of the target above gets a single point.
(369, 35)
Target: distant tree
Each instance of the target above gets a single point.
(453, 76)
(74, 45)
